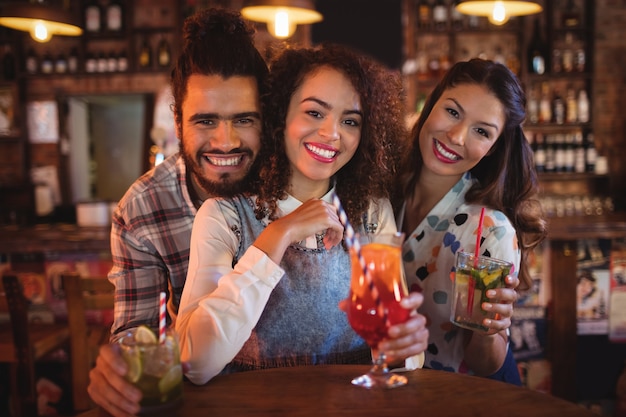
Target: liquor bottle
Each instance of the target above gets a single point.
(571, 106)
(91, 63)
(114, 16)
(47, 64)
(537, 53)
(60, 65)
(579, 153)
(533, 106)
(568, 53)
(72, 60)
(570, 153)
(557, 60)
(580, 60)
(559, 152)
(440, 15)
(457, 18)
(571, 15)
(112, 62)
(93, 17)
(545, 108)
(583, 106)
(539, 153)
(164, 55)
(145, 55)
(558, 108)
(102, 62)
(32, 62)
(590, 154)
(122, 62)
(550, 154)
(424, 14)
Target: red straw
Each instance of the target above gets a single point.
(162, 317)
(471, 282)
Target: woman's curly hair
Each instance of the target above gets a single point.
(370, 172)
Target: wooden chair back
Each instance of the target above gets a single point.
(22, 343)
(83, 294)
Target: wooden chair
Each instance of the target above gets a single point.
(83, 294)
(23, 343)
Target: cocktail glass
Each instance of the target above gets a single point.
(474, 276)
(154, 367)
(374, 301)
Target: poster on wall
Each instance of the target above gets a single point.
(593, 287)
(42, 119)
(617, 301)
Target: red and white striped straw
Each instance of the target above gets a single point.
(352, 241)
(162, 317)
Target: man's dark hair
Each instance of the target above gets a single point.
(216, 42)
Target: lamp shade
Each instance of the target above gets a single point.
(498, 12)
(40, 20)
(282, 16)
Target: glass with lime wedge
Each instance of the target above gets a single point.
(154, 367)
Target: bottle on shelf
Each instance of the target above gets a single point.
(101, 62)
(590, 154)
(93, 17)
(539, 153)
(545, 106)
(91, 62)
(424, 14)
(559, 153)
(32, 62)
(579, 153)
(567, 55)
(537, 53)
(47, 64)
(569, 153)
(558, 108)
(582, 109)
(440, 15)
(533, 106)
(122, 62)
(457, 18)
(164, 55)
(571, 15)
(550, 154)
(571, 106)
(145, 55)
(112, 62)
(72, 60)
(60, 65)
(114, 16)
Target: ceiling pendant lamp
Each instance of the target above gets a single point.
(498, 12)
(42, 21)
(282, 16)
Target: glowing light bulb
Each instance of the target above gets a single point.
(281, 25)
(498, 16)
(40, 32)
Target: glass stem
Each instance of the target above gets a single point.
(379, 361)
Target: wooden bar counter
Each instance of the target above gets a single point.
(45, 238)
(312, 391)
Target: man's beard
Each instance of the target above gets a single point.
(225, 187)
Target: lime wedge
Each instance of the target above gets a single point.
(145, 336)
(132, 357)
(171, 378)
(491, 278)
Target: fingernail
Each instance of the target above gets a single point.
(491, 293)
(487, 322)
(487, 306)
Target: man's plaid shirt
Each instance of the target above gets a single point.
(150, 238)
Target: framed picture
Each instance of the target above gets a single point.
(8, 111)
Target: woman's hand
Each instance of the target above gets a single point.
(409, 338)
(501, 302)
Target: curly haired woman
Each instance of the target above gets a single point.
(267, 269)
